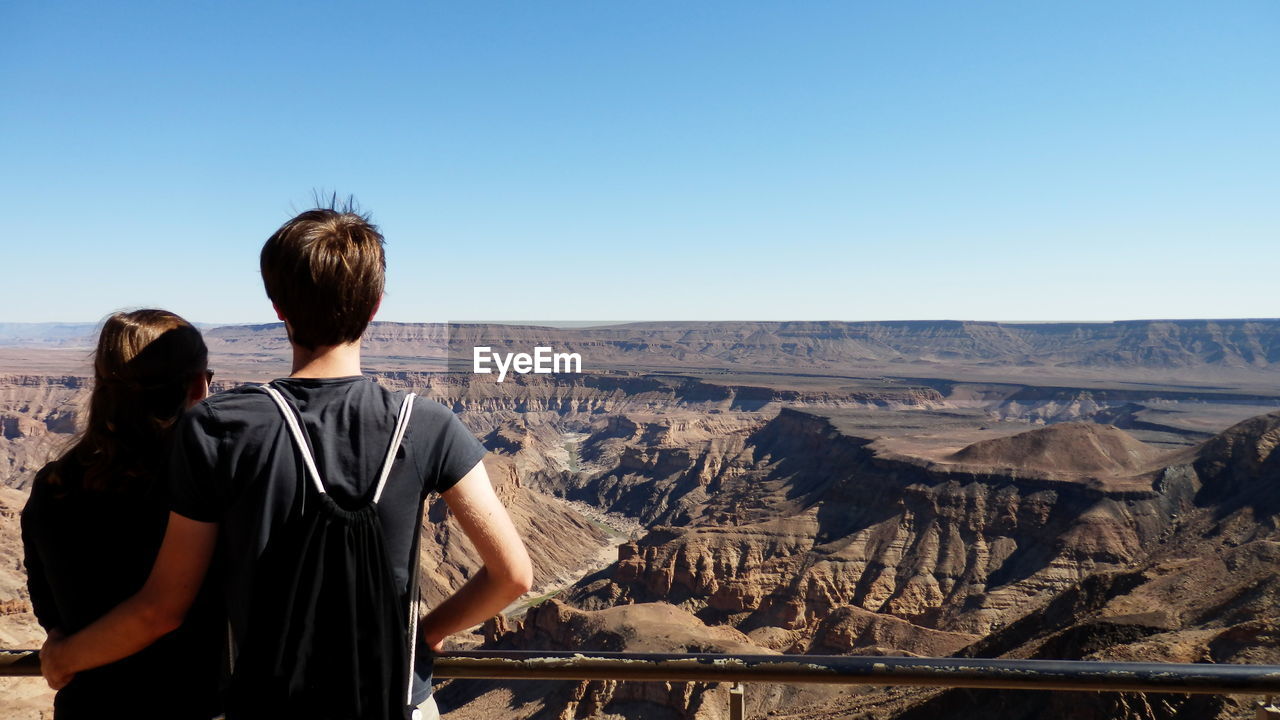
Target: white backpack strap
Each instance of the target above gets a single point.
(291, 419)
(397, 437)
(413, 639)
(402, 424)
(415, 571)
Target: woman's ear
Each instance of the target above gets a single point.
(197, 390)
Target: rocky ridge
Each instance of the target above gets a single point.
(1206, 591)
(1070, 568)
(806, 520)
(1178, 344)
(788, 511)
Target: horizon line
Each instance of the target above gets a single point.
(587, 324)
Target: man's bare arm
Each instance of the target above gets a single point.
(507, 573)
(155, 610)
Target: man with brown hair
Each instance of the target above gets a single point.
(324, 272)
(240, 473)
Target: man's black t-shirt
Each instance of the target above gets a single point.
(235, 463)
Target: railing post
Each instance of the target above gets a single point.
(737, 702)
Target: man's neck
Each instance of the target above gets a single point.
(326, 361)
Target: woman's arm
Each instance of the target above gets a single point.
(507, 573)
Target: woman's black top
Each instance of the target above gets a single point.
(88, 551)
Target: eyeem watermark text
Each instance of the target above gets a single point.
(542, 362)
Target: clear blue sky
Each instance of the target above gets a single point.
(652, 160)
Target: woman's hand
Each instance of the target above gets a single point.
(51, 665)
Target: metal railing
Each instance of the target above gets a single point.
(1182, 678)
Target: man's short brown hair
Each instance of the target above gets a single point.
(325, 270)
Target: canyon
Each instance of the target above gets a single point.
(1026, 490)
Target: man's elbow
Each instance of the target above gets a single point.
(517, 579)
(523, 582)
(159, 619)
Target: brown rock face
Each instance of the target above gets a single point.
(1205, 591)
(810, 520)
(851, 629)
(1183, 571)
(561, 542)
(834, 487)
(654, 627)
(1241, 466)
(37, 422)
(1078, 448)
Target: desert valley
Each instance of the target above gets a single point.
(1056, 490)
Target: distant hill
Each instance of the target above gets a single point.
(1075, 447)
(35, 335)
(1163, 344)
(47, 334)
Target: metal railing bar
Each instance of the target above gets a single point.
(1199, 678)
(19, 663)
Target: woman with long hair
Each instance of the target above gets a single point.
(97, 514)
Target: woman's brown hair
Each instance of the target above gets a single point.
(143, 368)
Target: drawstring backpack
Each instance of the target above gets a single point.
(326, 636)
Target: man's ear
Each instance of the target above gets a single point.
(288, 331)
(376, 307)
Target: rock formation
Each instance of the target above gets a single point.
(1058, 490)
